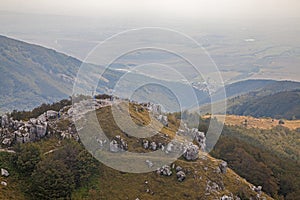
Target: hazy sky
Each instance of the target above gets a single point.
(182, 8)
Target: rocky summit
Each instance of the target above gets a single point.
(194, 175)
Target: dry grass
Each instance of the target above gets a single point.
(260, 123)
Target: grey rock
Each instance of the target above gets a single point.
(178, 168)
(3, 183)
(6, 141)
(223, 167)
(51, 114)
(225, 197)
(200, 139)
(4, 172)
(180, 176)
(165, 170)
(257, 189)
(114, 146)
(145, 144)
(149, 163)
(191, 153)
(153, 146)
(4, 121)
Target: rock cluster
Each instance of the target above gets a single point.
(118, 144)
(164, 170)
(198, 136)
(21, 132)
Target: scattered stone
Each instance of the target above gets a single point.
(178, 168)
(3, 183)
(173, 166)
(257, 189)
(4, 172)
(149, 163)
(145, 144)
(212, 187)
(225, 197)
(153, 146)
(180, 176)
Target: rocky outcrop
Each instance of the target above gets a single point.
(192, 152)
(200, 139)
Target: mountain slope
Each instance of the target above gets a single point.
(93, 180)
(31, 75)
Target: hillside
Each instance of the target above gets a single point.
(261, 98)
(31, 74)
(284, 105)
(260, 86)
(79, 176)
(263, 154)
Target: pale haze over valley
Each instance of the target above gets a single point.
(246, 39)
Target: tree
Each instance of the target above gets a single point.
(28, 155)
(52, 180)
(77, 160)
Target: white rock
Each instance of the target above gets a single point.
(3, 183)
(4, 172)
